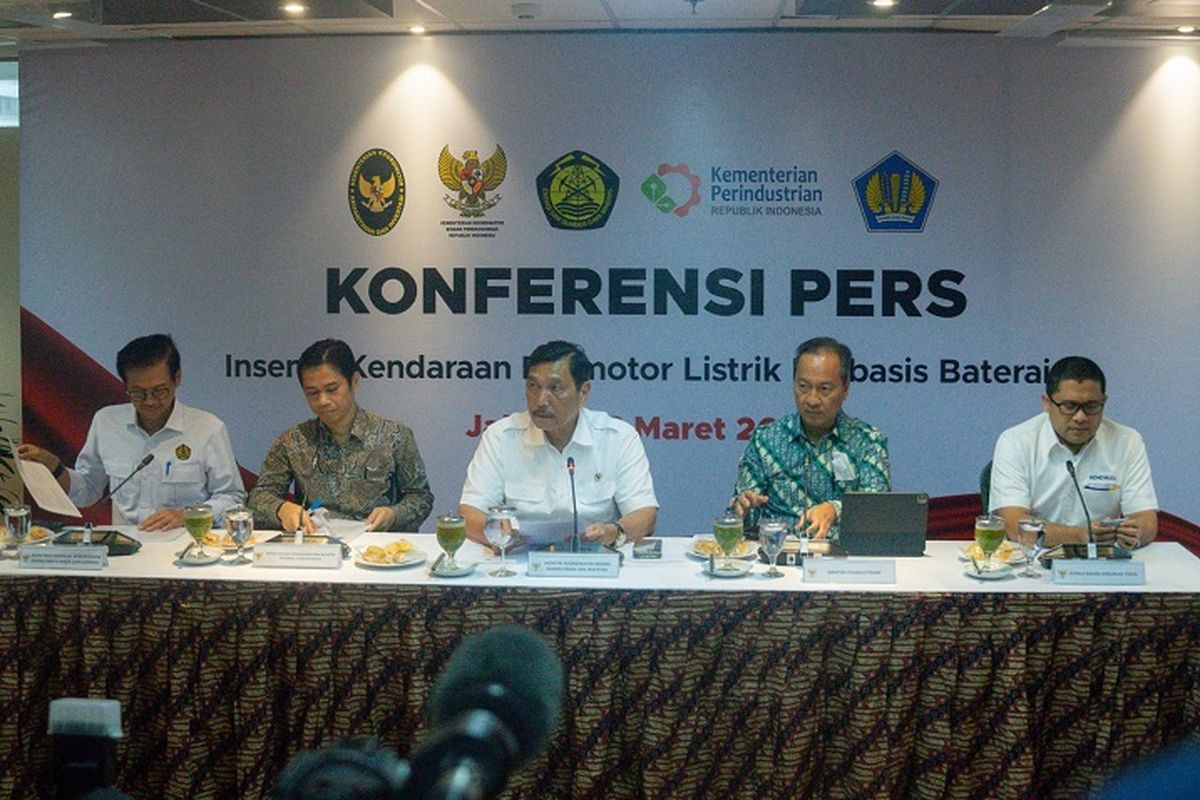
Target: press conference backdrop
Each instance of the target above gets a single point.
(961, 210)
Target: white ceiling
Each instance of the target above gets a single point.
(28, 24)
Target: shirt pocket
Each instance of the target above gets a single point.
(183, 485)
(597, 501)
(118, 471)
(378, 483)
(526, 498)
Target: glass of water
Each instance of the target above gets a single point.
(501, 523)
(1029, 533)
(17, 520)
(772, 533)
(240, 524)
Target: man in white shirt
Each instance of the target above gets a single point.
(193, 459)
(522, 460)
(1032, 464)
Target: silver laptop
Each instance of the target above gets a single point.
(884, 524)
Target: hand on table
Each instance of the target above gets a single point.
(293, 516)
(162, 520)
(819, 520)
(380, 518)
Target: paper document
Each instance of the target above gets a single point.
(44, 488)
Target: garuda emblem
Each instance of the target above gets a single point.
(376, 191)
(376, 194)
(472, 180)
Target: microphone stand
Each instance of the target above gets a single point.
(575, 542)
(1087, 516)
(109, 492)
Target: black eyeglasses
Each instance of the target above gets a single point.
(1071, 408)
(140, 395)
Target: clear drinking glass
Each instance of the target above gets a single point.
(199, 521)
(772, 533)
(1029, 533)
(501, 523)
(451, 533)
(989, 533)
(728, 531)
(240, 524)
(17, 520)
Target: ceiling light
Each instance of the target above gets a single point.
(1186, 29)
(417, 29)
(883, 3)
(294, 8)
(62, 15)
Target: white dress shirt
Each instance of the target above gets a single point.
(1029, 470)
(515, 464)
(193, 463)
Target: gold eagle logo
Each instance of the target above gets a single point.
(376, 193)
(471, 180)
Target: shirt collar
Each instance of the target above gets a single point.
(174, 421)
(533, 436)
(358, 428)
(1052, 441)
(796, 424)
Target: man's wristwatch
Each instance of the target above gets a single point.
(622, 537)
(59, 470)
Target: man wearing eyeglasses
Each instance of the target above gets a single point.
(193, 459)
(1030, 475)
(798, 467)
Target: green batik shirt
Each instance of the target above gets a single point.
(379, 465)
(796, 474)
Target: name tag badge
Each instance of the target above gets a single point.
(843, 470)
(849, 570)
(1098, 572)
(76, 557)
(298, 556)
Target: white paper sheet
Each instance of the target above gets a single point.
(44, 488)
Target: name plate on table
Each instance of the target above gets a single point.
(75, 556)
(1098, 572)
(298, 556)
(855, 570)
(550, 564)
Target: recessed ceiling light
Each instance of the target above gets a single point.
(294, 8)
(62, 15)
(883, 3)
(1186, 29)
(417, 29)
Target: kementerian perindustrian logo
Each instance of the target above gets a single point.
(895, 195)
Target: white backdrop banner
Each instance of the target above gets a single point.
(961, 211)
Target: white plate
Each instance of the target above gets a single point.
(999, 573)
(739, 568)
(750, 554)
(193, 558)
(1017, 556)
(461, 571)
(409, 559)
(231, 547)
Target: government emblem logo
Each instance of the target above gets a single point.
(895, 195)
(472, 180)
(183, 452)
(656, 190)
(577, 192)
(376, 192)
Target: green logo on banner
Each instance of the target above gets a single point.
(656, 191)
(577, 192)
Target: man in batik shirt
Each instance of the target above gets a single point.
(798, 467)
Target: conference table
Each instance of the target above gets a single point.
(678, 685)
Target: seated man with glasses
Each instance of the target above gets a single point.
(798, 467)
(193, 459)
(1030, 474)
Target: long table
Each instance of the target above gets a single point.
(678, 685)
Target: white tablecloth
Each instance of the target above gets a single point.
(1169, 568)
